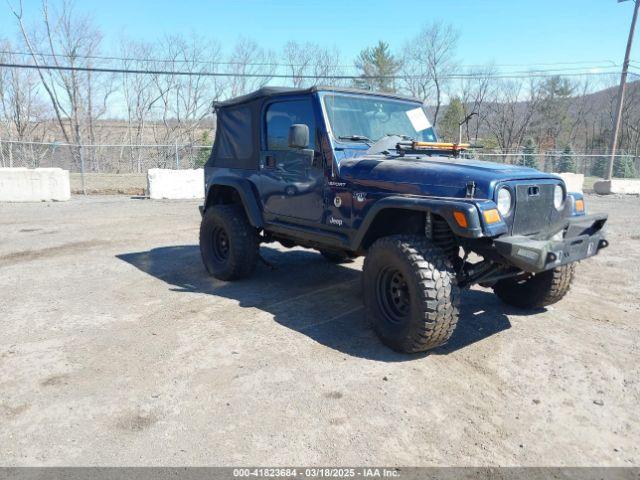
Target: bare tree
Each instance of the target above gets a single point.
(195, 93)
(508, 114)
(580, 110)
(139, 96)
(474, 90)
(69, 41)
(298, 60)
(326, 67)
(630, 138)
(429, 58)
(252, 65)
(165, 85)
(182, 103)
(311, 64)
(22, 114)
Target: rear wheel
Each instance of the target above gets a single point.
(536, 290)
(228, 243)
(410, 293)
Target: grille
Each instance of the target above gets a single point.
(534, 209)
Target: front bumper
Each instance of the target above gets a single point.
(580, 237)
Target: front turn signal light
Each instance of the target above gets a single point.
(461, 218)
(491, 216)
(580, 206)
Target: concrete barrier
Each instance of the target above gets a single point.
(34, 185)
(605, 187)
(573, 181)
(175, 184)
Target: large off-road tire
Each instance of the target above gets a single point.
(333, 256)
(536, 290)
(410, 293)
(228, 243)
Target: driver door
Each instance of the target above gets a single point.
(291, 180)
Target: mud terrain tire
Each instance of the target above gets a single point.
(228, 243)
(410, 293)
(538, 290)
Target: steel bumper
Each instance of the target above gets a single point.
(580, 238)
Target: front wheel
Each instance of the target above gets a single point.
(536, 290)
(410, 293)
(228, 243)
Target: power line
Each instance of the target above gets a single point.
(155, 60)
(590, 63)
(532, 74)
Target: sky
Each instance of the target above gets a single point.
(499, 31)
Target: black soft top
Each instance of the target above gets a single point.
(237, 142)
(268, 92)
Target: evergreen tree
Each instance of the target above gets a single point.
(529, 154)
(203, 153)
(448, 127)
(624, 167)
(377, 62)
(550, 161)
(554, 119)
(567, 163)
(599, 166)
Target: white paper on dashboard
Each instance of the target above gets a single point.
(418, 119)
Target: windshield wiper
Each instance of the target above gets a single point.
(404, 137)
(356, 138)
(387, 143)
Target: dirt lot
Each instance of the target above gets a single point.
(117, 349)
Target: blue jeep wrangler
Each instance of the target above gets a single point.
(352, 173)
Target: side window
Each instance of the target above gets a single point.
(281, 115)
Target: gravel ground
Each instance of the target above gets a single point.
(117, 349)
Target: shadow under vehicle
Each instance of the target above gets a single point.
(313, 297)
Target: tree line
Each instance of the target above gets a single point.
(505, 115)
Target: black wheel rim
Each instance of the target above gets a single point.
(220, 245)
(394, 298)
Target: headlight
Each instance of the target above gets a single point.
(558, 197)
(504, 201)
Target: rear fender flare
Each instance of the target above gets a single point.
(247, 196)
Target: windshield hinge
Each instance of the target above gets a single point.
(471, 189)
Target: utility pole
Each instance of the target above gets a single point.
(464, 122)
(623, 84)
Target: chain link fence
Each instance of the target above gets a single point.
(123, 168)
(590, 165)
(113, 159)
(104, 169)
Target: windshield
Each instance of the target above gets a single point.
(358, 117)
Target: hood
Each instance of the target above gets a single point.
(432, 175)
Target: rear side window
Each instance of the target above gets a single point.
(281, 115)
(234, 135)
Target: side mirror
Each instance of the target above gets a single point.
(298, 136)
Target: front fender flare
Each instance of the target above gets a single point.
(439, 206)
